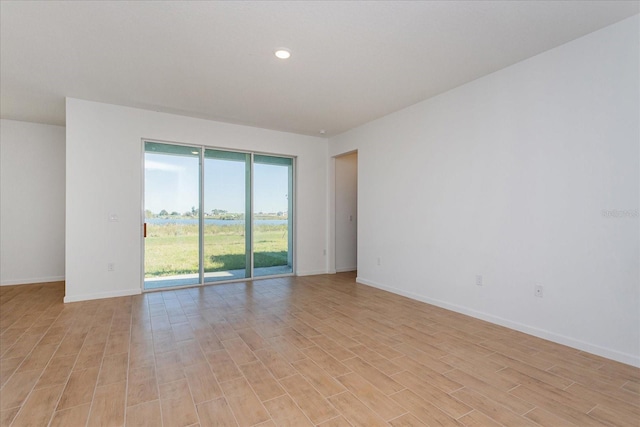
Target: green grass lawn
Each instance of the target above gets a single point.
(172, 249)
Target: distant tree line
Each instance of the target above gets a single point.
(194, 213)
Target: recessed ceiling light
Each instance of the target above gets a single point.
(283, 53)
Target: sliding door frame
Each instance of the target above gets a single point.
(291, 218)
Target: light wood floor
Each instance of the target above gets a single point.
(318, 350)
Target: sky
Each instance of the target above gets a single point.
(171, 183)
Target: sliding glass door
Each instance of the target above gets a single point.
(215, 215)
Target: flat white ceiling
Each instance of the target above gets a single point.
(351, 62)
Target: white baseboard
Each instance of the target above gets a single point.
(101, 295)
(346, 269)
(32, 281)
(618, 356)
(311, 273)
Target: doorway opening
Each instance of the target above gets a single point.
(346, 212)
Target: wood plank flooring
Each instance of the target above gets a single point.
(318, 350)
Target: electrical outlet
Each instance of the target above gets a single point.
(479, 280)
(111, 266)
(378, 261)
(538, 290)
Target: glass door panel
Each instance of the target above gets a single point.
(272, 215)
(171, 203)
(227, 233)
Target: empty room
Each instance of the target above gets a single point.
(319, 213)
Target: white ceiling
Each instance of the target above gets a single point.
(351, 62)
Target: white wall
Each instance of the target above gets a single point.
(346, 212)
(508, 177)
(31, 202)
(104, 176)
